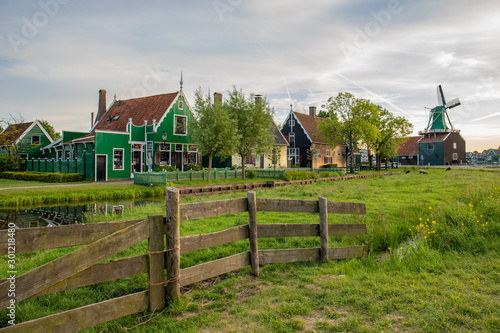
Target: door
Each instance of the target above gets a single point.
(101, 168)
(262, 161)
(137, 161)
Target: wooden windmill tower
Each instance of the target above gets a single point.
(439, 121)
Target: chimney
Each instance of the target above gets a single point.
(258, 99)
(312, 111)
(217, 98)
(101, 108)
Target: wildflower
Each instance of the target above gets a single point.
(425, 237)
(430, 207)
(433, 222)
(420, 219)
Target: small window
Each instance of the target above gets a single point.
(430, 146)
(178, 148)
(192, 149)
(291, 122)
(35, 139)
(164, 146)
(117, 159)
(436, 156)
(180, 125)
(291, 137)
(67, 155)
(455, 156)
(454, 145)
(181, 105)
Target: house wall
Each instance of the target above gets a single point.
(301, 140)
(449, 150)
(433, 156)
(25, 146)
(104, 145)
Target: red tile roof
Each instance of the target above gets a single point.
(12, 133)
(139, 109)
(410, 147)
(310, 125)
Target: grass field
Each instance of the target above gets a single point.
(433, 265)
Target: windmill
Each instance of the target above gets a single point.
(438, 115)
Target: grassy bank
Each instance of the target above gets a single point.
(434, 265)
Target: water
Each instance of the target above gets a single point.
(52, 216)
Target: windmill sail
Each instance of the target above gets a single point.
(453, 103)
(440, 96)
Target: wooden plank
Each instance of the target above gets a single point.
(156, 278)
(45, 276)
(200, 210)
(288, 230)
(35, 239)
(323, 227)
(252, 232)
(347, 252)
(173, 257)
(285, 205)
(288, 255)
(197, 242)
(84, 317)
(214, 268)
(347, 229)
(346, 207)
(102, 272)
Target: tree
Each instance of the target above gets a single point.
(50, 130)
(312, 155)
(8, 140)
(253, 120)
(275, 156)
(214, 131)
(345, 119)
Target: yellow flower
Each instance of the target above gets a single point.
(430, 207)
(433, 222)
(420, 219)
(425, 237)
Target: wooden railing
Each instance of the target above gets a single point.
(84, 266)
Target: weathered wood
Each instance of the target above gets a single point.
(84, 317)
(45, 276)
(323, 227)
(214, 268)
(198, 210)
(288, 230)
(347, 252)
(308, 206)
(346, 229)
(252, 233)
(36, 239)
(102, 272)
(173, 257)
(197, 242)
(288, 255)
(156, 246)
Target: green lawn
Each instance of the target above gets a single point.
(434, 265)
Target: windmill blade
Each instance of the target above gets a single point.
(440, 96)
(453, 103)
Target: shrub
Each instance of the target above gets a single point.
(251, 174)
(48, 177)
(300, 175)
(6, 163)
(166, 168)
(331, 165)
(330, 174)
(194, 167)
(296, 166)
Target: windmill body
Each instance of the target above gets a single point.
(439, 120)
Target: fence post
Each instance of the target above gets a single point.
(156, 248)
(323, 227)
(252, 232)
(173, 244)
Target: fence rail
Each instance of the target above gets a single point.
(84, 266)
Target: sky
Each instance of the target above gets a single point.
(55, 55)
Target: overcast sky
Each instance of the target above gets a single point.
(55, 55)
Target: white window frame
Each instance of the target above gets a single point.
(115, 150)
(177, 150)
(454, 145)
(290, 136)
(35, 136)
(291, 122)
(176, 116)
(192, 149)
(455, 156)
(181, 105)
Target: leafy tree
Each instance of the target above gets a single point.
(253, 121)
(275, 157)
(8, 140)
(50, 130)
(214, 131)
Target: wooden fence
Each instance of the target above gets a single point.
(84, 266)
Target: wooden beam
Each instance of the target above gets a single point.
(173, 257)
(288, 255)
(198, 210)
(346, 207)
(252, 233)
(347, 229)
(84, 317)
(288, 230)
(102, 272)
(36, 239)
(323, 227)
(214, 268)
(308, 206)
(347, 252)
(202, 241)
(156, 280)
(45, 276)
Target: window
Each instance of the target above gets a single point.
(35, 139)
(328, 158)
(430, 146)
(455, 156)
(181, 105)
(291, 122)
(436, 156)
(192, 149)
(250, 159)
(291, 137)
(67, 155)
(178, 147)
(180, 125)
(454, 145)
(294, 154)
(117, 159)
(164, 147)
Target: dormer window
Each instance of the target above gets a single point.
(181, 105)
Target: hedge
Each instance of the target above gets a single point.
(300, 175)
(48, 177)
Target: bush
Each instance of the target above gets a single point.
(296, 166)
(6, 163)
(300, 175)
(48, 177)
(194, 167)
(251, 174)
(330, 174)
(166, 168)
(331, 165)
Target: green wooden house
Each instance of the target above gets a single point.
(27, 138)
